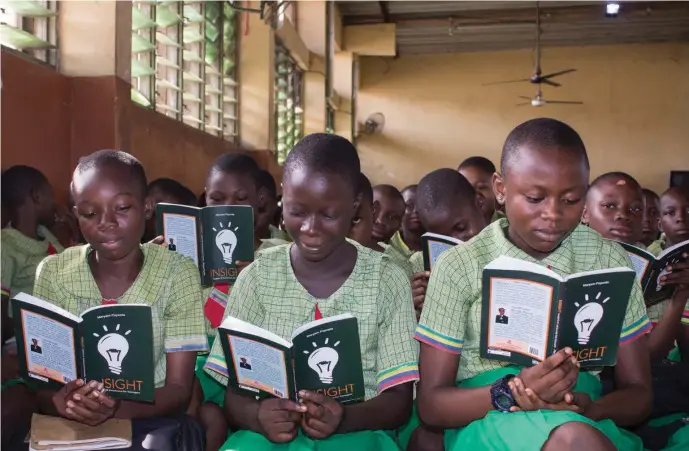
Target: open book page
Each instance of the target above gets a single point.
(258, 361)
(179, 225)
(48, 339)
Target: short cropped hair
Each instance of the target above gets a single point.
(109, 157)
(18, 182)
(326, 154)
(616, 176)
(267, 182)
(440, 188)
(365, 188)
(237, 163)
(541, 133)
(481, 163)
(174, 189)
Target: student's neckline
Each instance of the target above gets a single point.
(94, 283)
(553, 260)
(335, 293)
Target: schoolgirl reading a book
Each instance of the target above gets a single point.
(323, 274)
(233, 179)
(485, 404)
(408, 239)
(109, 191)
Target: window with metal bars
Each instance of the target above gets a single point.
(30, 26)
(184, 58)
(289, 111)
(329, 59)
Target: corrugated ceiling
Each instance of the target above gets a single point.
(456, 26)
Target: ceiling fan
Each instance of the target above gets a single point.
(540, 101)
(537, 77)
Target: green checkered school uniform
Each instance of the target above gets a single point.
(398, 243)
(377, 293)
(212, 390)
(20, 257)
(398, 258)
(168, 282)
(416, 262)
(451, 320)
(276, 233)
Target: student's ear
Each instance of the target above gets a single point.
(499, 188)
(480, 200)
(585, 216)
(660, 226)
(262, 197)
(148, 208)
(357, 203)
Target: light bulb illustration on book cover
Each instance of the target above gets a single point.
(226, 241)
(588, 316)
(323, 360)
(114, 348)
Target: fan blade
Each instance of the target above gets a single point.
(523, 104)
(551, 83)
(556, 74)
(564, 102)
(525, 98)
(508, 81)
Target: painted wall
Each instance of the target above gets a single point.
(49, 120)
(635, 117)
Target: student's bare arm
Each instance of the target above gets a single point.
(241, 411)
(630, 403)
(173, 397)
(661, 340)
(683, 341)
(441, 404)
(389, 410)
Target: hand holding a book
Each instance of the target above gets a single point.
(678, 274)
(323, 415)
(528, 401)
(279, 418)
(419, 284)
(159, 240)
(553, 378)
(84, 403)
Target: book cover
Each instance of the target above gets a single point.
(432, 245)
(593, 315)
(327, 359)
(529, 312)
(48, 341)
(323, 356)
(259, 363)
(228, 237)
(118, 350)
(214, 237)
(649, 269)
(180, 225)
(112, 344)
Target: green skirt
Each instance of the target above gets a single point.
(499, 431)
(213, 391)
(359, 441)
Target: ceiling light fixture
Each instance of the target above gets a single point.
(612, 9)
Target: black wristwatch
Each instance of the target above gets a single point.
(501, 395)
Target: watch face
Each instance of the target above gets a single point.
(504, 402)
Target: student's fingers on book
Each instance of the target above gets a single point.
(518, 393)
(105, 400)
(552, 363)
(314, 397)
(559, 381)
(158, 240)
